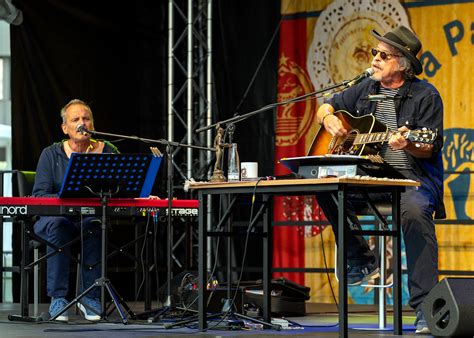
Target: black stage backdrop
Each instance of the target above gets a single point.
(113, 55)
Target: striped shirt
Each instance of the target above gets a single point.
(385, 113)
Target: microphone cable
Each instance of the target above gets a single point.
(210, 278)
(142, 261)
(244, 256)
(325, 259)
(81, 262)
(262, 59)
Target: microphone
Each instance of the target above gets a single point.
(381, 97)
(80, 128)
(366, 73)
(378, 97)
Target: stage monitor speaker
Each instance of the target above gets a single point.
(449, 308)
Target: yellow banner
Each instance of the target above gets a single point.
(338, 43)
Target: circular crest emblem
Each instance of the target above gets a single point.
(341, 43)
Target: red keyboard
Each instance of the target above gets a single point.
(44, 206)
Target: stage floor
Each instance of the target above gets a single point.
(321, 321)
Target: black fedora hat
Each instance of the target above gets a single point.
(406, 41)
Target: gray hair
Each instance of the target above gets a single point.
(73, 102)
(409, 72)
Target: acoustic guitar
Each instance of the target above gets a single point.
(365, 136)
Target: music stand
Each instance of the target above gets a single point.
(132, 175)
(106, 175)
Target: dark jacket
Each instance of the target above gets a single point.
(51, 169)
(417, 104)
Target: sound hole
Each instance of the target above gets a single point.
(347, 146)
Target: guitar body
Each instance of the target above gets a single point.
(324, 143)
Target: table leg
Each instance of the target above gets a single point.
(397, 268)
(202, 264)
(342, 261)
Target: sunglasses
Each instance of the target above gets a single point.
(383, 55)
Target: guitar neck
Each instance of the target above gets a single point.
(373, 137)
(362, 130)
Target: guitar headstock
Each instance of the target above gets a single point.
(423, 135)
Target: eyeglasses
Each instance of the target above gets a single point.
(383, 55)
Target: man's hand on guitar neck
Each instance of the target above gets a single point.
(329, 121)
(398, 142)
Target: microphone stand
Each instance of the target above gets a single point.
(227, 307)
(239, 118)
(169, 160)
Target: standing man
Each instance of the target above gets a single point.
(59, 230)
(411, 104)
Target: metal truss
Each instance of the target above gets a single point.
(190, 88)
(190, 84)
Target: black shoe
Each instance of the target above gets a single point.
(356, 275)
(420, 323)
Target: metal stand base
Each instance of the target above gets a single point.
(103, 282)
(20, 318)
(117, 300)
(225, 315)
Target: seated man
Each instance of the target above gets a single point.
(411, 104)
(59, 230)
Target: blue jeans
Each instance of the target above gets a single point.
(59, 231)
